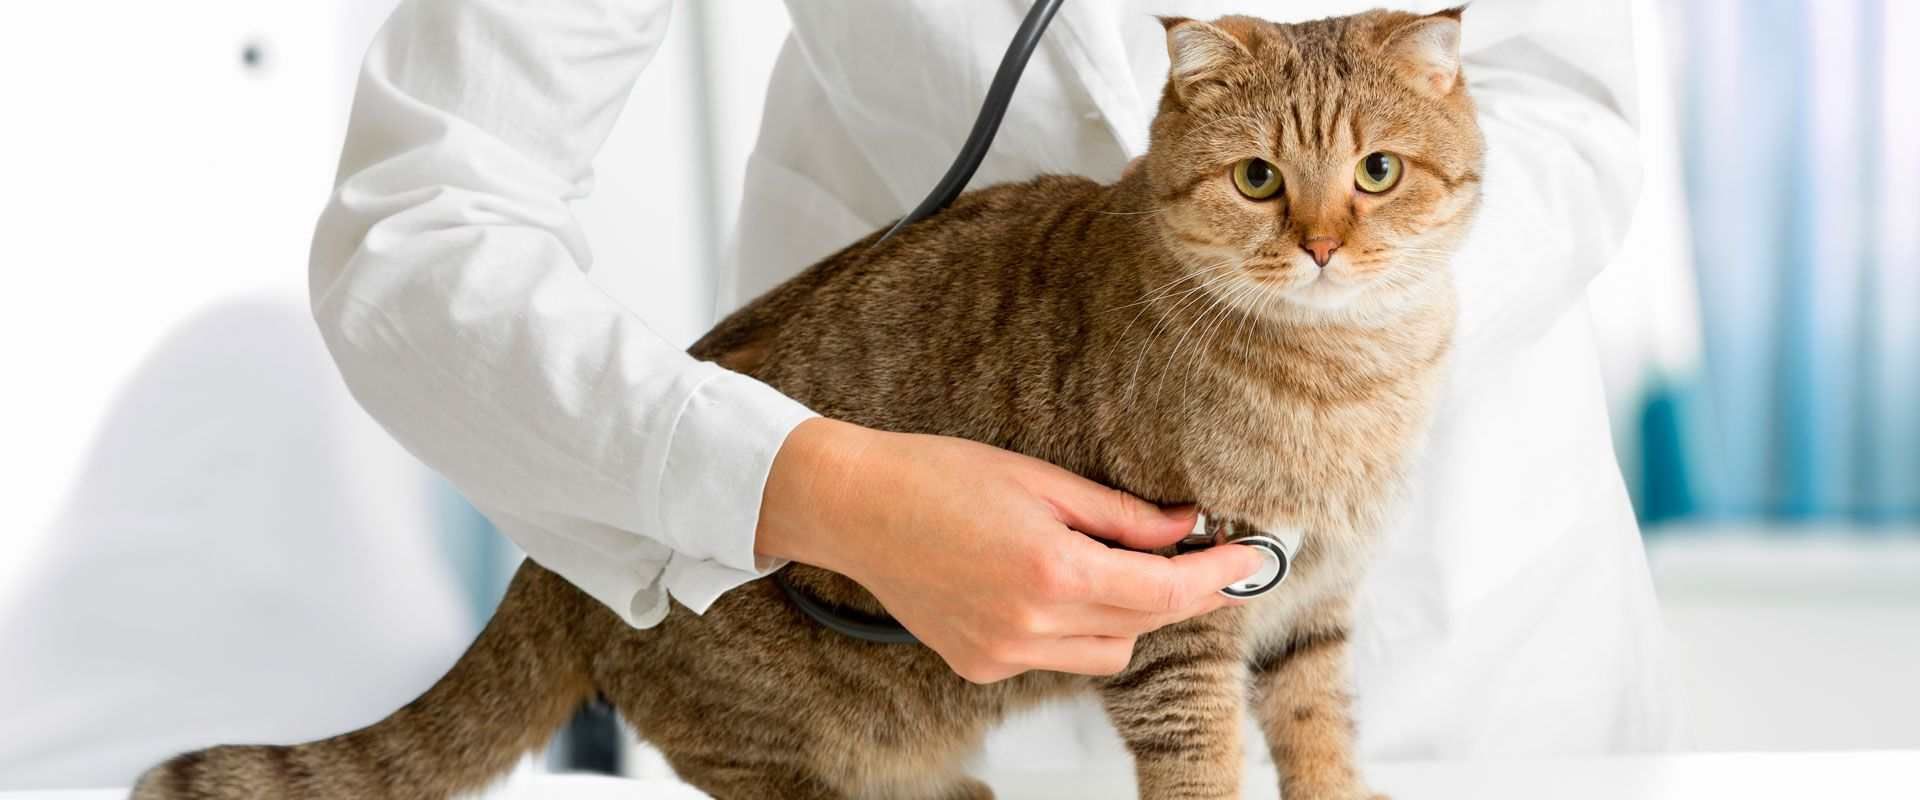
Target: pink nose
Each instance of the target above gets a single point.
(1321, 248)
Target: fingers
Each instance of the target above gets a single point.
(1104, 620)
(1082, 655)
(1168, 586)
(1111, 514)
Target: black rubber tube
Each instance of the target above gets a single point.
(879, 630)
(992, 110)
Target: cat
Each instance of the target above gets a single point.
(1256, 319)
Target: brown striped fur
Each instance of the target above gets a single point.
(1162, 334)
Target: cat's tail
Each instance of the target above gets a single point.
(512, 689)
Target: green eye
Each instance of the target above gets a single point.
(1256, 179)
(1377, 172)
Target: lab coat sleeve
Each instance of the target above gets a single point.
(447, 277)
(1554, 84)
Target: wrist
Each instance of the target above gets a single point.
(800, 508)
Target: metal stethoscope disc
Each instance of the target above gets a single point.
(1273, 570)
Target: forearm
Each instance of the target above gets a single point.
(447, 280)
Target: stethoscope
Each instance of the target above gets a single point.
(1278, 549)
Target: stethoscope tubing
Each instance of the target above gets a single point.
(992, 110)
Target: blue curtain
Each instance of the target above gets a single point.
(1801, 137)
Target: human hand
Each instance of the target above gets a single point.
(979, 551)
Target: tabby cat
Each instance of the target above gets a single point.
(1254, 319)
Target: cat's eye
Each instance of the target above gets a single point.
(1377, 172)
(1256, 178)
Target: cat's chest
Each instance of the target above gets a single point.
(1273, 454)
(1313, 597)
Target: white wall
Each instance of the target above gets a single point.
(147, 172)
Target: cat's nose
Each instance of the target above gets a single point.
(1321, 248)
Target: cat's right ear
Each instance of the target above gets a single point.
(1428, 50)
(1199, 53)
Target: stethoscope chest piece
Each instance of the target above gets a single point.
(1276, 550)
(1273, 570)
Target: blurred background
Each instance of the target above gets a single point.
(167, 396)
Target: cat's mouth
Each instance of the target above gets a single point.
(1284, 272)
(1309, 284)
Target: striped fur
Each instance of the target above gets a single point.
(1157, 335)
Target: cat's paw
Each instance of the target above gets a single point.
(1331, 793)
(969, 789)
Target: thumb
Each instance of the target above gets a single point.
(1117, 516)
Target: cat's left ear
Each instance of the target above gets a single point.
(1428, 50)
(1198, 54)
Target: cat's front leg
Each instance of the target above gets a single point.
(1300, 699)
(1178, 706)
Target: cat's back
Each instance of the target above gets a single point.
(974, 239)
(960, 294)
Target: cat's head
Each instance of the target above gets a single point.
(1328, 167)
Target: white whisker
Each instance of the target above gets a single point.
(1230, 307)
(1222, 308)
(1150, 293)
(1172, 314)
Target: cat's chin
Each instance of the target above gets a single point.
(1325, 302)
(1322, 294)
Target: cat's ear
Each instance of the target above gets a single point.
(1198, 53)
(1428, 51)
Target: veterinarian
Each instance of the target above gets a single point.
(1509, 613)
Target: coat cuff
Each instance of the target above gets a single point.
(720, 451)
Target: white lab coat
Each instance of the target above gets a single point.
(1510, 614)
(1510, 611)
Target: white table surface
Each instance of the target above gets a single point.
(1743, 776)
